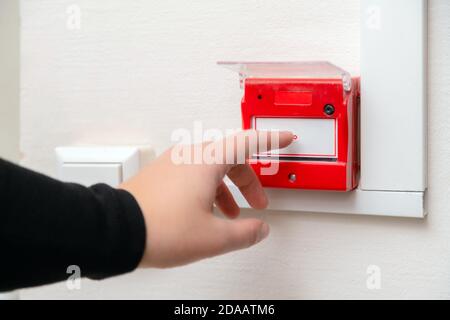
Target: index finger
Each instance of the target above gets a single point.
(239, 147)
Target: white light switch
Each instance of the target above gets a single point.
(312, 137)
(90, 165)
(91, 173)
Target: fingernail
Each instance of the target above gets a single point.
(287, 133)
(263, 232)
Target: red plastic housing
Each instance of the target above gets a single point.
(306, 98)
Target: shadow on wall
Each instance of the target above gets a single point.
(308, 244)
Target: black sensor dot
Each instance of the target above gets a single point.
(328, 109)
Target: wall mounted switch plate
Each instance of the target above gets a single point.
(110, 165)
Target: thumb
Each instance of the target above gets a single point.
(243, 233)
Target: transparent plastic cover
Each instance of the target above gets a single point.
(291, 70)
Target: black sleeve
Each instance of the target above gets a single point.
(47, 225)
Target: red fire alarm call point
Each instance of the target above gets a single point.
(319, 103)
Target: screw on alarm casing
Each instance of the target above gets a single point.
(292, 177)
(328, 109)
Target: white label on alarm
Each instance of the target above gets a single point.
(313, 137)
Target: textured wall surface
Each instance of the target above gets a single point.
(136, 70)
(9, 79)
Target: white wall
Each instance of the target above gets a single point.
(136, 70)
(9, 87)
(9, 79)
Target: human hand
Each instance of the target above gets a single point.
(177, 203)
